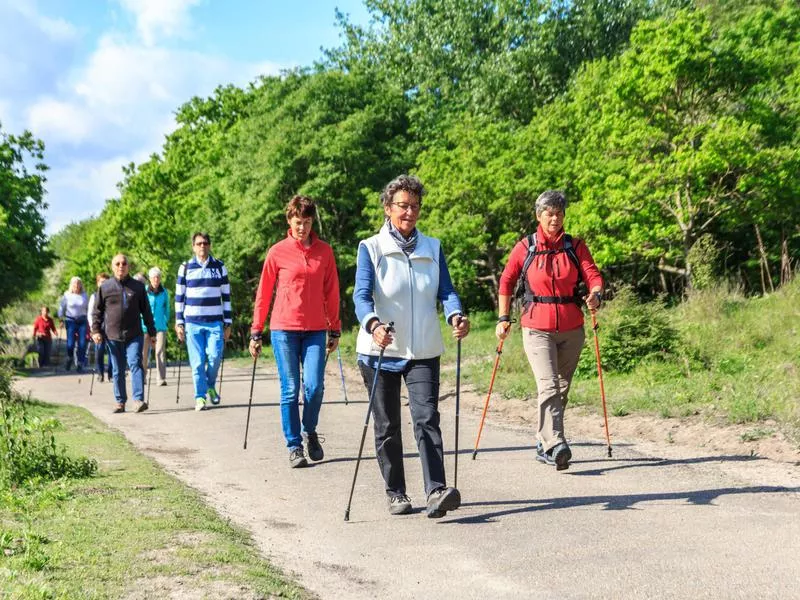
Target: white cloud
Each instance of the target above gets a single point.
(59, 122)
(169, 18)
(58, 30)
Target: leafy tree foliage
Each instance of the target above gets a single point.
(22, 235)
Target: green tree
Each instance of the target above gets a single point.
(22, 236)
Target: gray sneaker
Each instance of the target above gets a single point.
(313, 443)
(561, 456)
(297, 459)
(442, 500)
(399, 505)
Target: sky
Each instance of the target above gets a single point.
(99, 80)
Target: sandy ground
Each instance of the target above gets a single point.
(682, 509)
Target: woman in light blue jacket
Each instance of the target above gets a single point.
(159, 306)
(401, 274)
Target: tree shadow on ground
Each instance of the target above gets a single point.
(622, 502)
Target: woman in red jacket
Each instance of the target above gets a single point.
(305, 315)
(42, 327)
(552, 317)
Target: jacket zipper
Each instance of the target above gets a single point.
(411, 292)
(554, 264)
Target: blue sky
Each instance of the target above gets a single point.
(99, 80)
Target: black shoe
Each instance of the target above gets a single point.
(399, 505)
(442, 500)
(315, 451)
(141, 407)
(119, 408)
(561, 456)
(102, 379)
(297, 459)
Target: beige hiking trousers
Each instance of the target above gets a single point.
(553, 356)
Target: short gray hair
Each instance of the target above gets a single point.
(402, 183)
(551, 199)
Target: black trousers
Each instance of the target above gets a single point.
(422, 382)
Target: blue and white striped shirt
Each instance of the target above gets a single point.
(203, 292)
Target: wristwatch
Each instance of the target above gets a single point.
(255, 337)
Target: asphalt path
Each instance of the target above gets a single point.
(651, 522)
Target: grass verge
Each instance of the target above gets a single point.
(130, 532)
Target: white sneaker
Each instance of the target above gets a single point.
(199, 404)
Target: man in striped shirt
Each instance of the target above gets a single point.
(203, 316)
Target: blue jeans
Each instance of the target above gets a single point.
(130, 353)
(77, 328)
(99, 358)
(204, 343)
(290, 349)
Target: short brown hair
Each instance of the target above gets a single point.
(302, 207)
(201, 234)
(102, 276)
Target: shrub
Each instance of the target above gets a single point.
(630, 332)
(28, 449)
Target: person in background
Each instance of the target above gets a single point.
(159, 306)
(99, 349)
(72, 311)
(120, 306)
(42, 327)
(203, 316)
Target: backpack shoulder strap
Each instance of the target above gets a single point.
(569, 248)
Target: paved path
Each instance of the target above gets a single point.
(649, 523)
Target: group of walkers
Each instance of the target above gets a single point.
(401, 277)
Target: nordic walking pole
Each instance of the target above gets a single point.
(341, 371)
(389, 327)
(458, 403)
(58, 347)
(94, 365)
(178, 386)
(499, 351)
(150, 348)
(595, 327)
(221, 369)
(250, 402)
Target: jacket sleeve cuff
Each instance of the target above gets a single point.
(365, 321)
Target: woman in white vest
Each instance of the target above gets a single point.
(400, 276)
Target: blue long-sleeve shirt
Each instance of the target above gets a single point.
(365, 304)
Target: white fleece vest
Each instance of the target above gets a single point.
(405, 292)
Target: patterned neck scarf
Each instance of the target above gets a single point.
(407, 245)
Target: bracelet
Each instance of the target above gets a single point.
(504, 319)
(334, 334)
(372, 331)
(599, 297)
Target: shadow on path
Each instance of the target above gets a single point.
(624, 502)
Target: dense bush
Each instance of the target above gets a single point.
(631, 332)
(28, 449)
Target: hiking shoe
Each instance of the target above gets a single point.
(102, 379)
(141, 407)
(442, 500)
(542, 456)
(561, 455)
(297, 459)
(399, 505)
(162, 383)
(315, 451)
(214, 396)
(119, 408)
(199, 404)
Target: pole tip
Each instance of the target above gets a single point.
(474, 454)
(347, 515)
(609, 452)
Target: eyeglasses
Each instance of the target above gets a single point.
(120, 264)
(405, 206)
(202, 244)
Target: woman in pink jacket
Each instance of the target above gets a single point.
(304, 323)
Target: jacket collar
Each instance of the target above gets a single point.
(387, 245)
(312, 236)
(542, 238)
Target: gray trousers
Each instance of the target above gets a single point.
(553, 356)
(422, 382)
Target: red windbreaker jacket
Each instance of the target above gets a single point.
(307, 295)
(551, 275)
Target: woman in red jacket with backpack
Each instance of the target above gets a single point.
(552, 265)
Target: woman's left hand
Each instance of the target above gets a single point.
(460, 327)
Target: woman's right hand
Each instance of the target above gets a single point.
(502, 329)
(382, 336)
